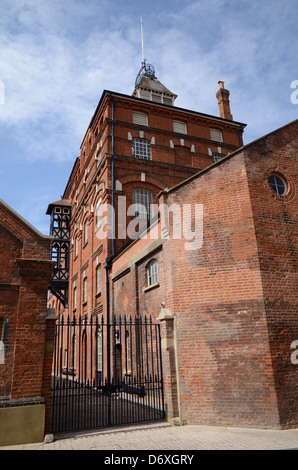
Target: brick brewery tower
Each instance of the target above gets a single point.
(233, 318)
(135, 147)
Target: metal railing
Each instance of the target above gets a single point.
(106, 374)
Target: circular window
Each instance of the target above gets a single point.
(277, 184)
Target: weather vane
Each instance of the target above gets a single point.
(142, 35)
(147, 70)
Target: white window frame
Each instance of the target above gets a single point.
(98, 158)
(75, 292)
(141, 149)
(98, 215)
(76, 246)
(217, 157)
(86, 227)
(85, 290)
(142, 200)
(98, 279)
(152, 273)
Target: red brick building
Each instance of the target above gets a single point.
(233, 297)
(225, 274)
(134, 147)
(26, 330)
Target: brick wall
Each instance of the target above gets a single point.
(25, 275)
(216, 294)
(29, 346)
(217, 297)
(276, 227)
(175, 157)
(235, 298)
(130, 292)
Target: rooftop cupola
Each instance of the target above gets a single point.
(148, 87)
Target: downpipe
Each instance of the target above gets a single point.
(109, 260)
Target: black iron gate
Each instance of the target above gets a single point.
(106, 374)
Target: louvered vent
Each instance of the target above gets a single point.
(140, 118)
(216, 135)
(180, 127)
(167, 101)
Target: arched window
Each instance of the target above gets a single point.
(85, 290)
(76, 250)
(98, 215)
(74, 297)
(98, 279)
(152, 273)
(98, 157)
(64, 261)
(142, 203)
(86, 231)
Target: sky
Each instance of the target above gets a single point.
(57, 57)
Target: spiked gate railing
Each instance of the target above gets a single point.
(89, 391)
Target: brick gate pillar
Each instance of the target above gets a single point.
(48, 364)
(170, 366)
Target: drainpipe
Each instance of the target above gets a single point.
(108, 261)
(112, 176)
(240, 136)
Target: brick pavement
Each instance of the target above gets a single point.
(165, 437)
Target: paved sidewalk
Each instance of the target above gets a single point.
(162, 436)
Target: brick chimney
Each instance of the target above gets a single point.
(223, 102)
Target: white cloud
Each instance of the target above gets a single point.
(53, 81)
(57, 57)
(250, 46)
